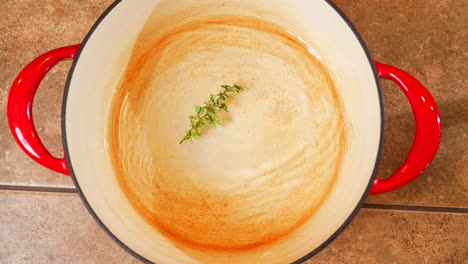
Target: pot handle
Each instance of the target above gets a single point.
(20, 102)
(428, 129)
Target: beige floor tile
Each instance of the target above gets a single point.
(399, 237)
(53, 228)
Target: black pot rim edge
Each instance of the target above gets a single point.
(299, 261)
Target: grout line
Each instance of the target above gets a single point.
(417, 208)
(414, 208)
(24, 188)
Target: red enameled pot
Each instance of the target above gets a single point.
(101, 59)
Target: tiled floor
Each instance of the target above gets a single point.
(424, 222)
(56, 228)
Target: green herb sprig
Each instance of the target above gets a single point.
(207, 115)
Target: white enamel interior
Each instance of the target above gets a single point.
(98, 71)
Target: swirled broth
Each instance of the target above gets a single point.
(256, 178)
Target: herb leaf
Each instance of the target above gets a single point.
(206, 115)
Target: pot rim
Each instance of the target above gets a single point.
(300, 260)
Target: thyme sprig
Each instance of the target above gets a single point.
(206, 115)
